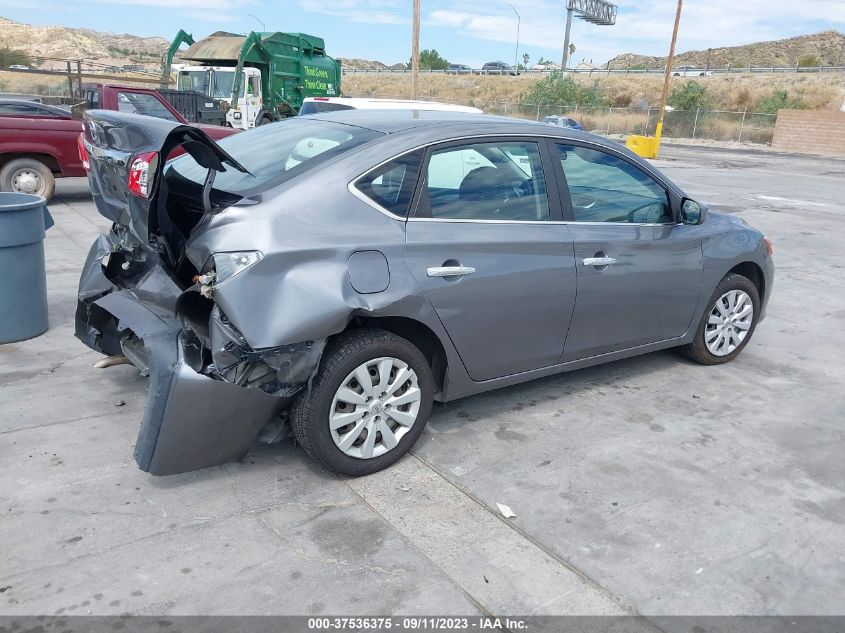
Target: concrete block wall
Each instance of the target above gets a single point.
(810, 132)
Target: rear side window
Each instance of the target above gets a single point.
(391, 186)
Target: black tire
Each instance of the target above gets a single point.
(697, 350)
(263, 120)
(310, 411)
(12, 170)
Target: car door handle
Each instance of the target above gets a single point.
(449, 271)
(598, 261)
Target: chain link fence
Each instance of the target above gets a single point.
(716, 125)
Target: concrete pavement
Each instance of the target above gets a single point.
(651, 485)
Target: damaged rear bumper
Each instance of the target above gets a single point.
(205, 406)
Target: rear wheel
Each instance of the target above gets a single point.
(367, 405)
(27, 175)
(728, 323)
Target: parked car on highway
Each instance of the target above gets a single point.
(458, 69)
(498, 68)
(39, 143)
(691, 71)
(316, 105)
(562, 121)
(337, 270)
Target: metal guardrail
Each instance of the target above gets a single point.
(609, 71)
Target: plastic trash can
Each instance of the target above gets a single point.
(23, 279)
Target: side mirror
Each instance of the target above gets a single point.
(692, 212)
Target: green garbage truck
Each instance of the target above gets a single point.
(259, 77)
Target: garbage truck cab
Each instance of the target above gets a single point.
(218, 82)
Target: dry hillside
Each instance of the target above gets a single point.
(827, 46)
(67, 43)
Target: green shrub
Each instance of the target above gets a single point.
(690, 96)
(565, 91)
(778, 100)
(809, 61)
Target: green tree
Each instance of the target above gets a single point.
(525, 58)
(809, 61)
(13, 56)
(430, 59)
(778, 100)
(690, 96)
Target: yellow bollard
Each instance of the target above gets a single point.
(646, 146)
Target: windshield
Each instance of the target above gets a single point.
(222, 86)
(272, 154)
(196, 80)
(221, 82)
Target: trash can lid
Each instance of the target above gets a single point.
(13, 201)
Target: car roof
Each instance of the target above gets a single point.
(393, 121)
(364, 103)
(36, 104)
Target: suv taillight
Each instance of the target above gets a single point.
(142, 173)
(83, 153)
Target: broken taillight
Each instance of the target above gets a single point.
(142, 174)
(83, 153)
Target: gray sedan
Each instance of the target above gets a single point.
(336, 274)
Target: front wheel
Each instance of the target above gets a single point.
(728, 323)
(367, 405)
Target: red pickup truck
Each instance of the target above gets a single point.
(38, 142)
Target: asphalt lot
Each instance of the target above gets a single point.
(651, 485)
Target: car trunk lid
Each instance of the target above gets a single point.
(127, 154)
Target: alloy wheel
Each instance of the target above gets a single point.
(374, 407)
(729, 322)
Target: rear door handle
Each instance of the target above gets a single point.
(598, 261)
(449, 271)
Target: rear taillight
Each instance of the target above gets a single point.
(83, 153)
(142, 174)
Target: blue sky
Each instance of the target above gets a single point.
(463, 31)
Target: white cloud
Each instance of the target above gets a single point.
(362, 11)
(643, 27)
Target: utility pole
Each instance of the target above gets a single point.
(516, 52)
(666, 79)
(565, 58)
(415, 51)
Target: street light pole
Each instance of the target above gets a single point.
(516, 52)
(259, 20)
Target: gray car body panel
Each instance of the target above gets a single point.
(323, 246)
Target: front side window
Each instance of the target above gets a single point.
(604, 188)
(141, 103)
(486, 181)
(391, 186)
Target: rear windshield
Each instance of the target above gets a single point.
(315, 107)
(272, 154)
